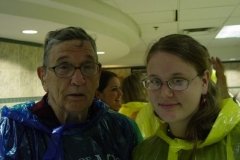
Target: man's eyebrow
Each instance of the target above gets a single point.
(152, 76)
(92, 57)
(60, 59)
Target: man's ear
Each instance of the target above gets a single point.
(205, 80)
(41, 71)
(99, 72)
(99, 75)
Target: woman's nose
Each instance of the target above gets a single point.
(166, 90)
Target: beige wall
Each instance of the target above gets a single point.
(19, 81)
(18, 76)
(232, 72)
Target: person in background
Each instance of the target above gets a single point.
(193, 123)
(136, 106)
(134, 95)
(68, 123)
(221, 80)
(109, 90)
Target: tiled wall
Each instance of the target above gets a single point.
(18, 72)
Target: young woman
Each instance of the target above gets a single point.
(109, 90)
(136, 106)
(134, 95)
(193, 126)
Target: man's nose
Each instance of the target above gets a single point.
(77, 77)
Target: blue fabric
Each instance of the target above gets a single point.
(105, 135)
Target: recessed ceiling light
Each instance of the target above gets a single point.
(232, 31)
(232, 59)
(29, 31)
(100, 52)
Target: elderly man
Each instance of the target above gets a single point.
(68, 123)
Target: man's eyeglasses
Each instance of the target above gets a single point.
(177, 84)
(66, 70)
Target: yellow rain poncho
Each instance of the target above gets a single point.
(222, 143)
(131, 109)
(146, 121)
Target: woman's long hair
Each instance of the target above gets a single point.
(133, 90)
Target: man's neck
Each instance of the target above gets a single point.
(73, 118)
(66, 117)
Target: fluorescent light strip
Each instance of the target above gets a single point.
(232, 31)
(100, 52)
(29, 32)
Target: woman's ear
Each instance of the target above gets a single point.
(41, 71)
(205, 80)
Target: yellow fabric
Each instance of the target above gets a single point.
(131, 107)
(145, 119)
(223, 141)
(213, 76)
(147, 122)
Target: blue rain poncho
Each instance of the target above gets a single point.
(222, 143)
(32, 131)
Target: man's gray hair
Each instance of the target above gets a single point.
(65, 34)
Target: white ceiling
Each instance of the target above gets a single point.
(124, 29)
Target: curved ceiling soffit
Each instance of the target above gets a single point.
(98, 18)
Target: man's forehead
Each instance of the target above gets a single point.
(87, 57)
(72, 46)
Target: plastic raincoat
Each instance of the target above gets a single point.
(32, 131)
(222, 143)
(142, 113)
(147, 122)
(131, 109)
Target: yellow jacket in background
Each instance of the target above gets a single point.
(147, 122)
(143, 114)
(131, 109)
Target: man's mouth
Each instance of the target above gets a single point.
(75, 95)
